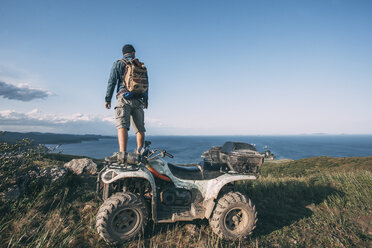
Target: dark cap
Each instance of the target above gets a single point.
(128, 49)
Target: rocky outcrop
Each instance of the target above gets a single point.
(82, 166)
(21, 182)
(53, 173)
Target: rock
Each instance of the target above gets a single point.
(20, 183)
(80, 166)
(53, 173)
(50, 173)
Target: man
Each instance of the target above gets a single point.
(129, 105)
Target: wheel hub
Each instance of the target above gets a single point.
(235, 220)
(125, 221)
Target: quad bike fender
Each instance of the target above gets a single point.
(214, 187)
(111, 175)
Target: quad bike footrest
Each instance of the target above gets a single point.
(178, 213)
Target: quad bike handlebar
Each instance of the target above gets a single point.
(165, 153)
(152, 154)
(148, 154)
(156, 153)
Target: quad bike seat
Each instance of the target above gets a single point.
(230, 147)
(194, 172)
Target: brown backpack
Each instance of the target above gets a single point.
(135, 76)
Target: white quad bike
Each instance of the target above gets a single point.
(137, 187)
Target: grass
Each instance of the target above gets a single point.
(314, 202)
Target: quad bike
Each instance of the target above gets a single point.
(137, 187)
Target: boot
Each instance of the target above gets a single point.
(117, 157)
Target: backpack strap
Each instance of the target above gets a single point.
(126, 62)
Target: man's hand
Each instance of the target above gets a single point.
(107, 105)
(145, 105)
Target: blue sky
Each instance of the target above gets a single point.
(215, 67)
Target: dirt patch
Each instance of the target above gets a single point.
(364, 222)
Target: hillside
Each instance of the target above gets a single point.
(50, 138)
(314, 202)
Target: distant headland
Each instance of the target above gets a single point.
(50, 138)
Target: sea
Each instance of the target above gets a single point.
(187, 149)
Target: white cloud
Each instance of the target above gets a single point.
(38, 121)
(78, 123)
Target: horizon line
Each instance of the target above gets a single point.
(273, 134)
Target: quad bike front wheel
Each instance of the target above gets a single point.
(121, 218)
(234, 217)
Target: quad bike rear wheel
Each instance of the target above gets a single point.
(234, 217)
(122, 217)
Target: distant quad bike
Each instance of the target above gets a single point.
(137, 187)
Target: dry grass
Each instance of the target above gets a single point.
(317, 202)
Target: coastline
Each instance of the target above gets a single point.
(50, 138)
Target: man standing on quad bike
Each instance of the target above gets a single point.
(130, 77)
